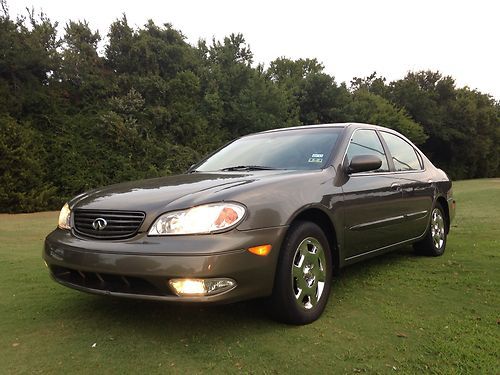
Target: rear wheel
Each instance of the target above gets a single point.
(303, 276)
(434, 242)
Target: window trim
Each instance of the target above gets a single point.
(387, 153)
(382, 143)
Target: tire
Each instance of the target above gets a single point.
(434, 242)
(303, 276)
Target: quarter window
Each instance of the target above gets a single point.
(366, 142)
(403, 154)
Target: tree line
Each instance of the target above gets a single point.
(151, 104)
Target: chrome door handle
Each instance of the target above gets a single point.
(395, 186)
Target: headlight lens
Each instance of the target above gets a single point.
(200, 219)
(64, 217)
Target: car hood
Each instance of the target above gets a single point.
(162, 193)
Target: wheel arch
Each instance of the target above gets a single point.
(321, 219)
(444, 203)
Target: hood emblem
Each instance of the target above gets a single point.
(99, 223)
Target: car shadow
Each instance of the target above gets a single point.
(377, 263)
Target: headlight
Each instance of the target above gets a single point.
(64, 217)
(201, 219)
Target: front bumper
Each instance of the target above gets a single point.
(141, 267)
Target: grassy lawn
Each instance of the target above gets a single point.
(399, 313)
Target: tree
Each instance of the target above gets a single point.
(22, 185)
(373, 109)
(72, 119)
(313, 96)
(240, 97)
(462, 124)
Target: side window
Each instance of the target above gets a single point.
(366, 142)
(403, 154)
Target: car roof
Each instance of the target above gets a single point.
(332, 125)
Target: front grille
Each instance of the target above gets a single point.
(119, 224)
(105, 281)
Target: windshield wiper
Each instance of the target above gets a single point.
(248, 168)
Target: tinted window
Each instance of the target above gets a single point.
(403, 154)
(366, 142)
(291, 149)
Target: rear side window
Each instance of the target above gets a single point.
(403, 154)
(366, 142)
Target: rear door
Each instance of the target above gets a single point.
(417, 189)
(373, 217)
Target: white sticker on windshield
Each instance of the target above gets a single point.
(316, 155)
(315, 160)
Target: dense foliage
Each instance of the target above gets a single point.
(151, 104)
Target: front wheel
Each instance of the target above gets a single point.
(434, 242)
(303, 276)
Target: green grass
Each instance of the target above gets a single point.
(398, 313)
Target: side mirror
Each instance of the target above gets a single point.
(364, 163)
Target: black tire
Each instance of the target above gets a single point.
(434, 241)
(305, 253)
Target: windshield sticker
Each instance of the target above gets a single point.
(315, 160)
(316, 155)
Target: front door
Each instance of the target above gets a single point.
(373, 217)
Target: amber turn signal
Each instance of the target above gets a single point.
(261, 250)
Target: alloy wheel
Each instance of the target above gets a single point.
(308, 273)
(437, 228)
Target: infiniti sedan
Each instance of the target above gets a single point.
(273, 214)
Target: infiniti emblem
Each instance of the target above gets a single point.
(99, 223)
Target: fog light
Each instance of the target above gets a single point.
(201, 287)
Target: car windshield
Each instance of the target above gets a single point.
(292, 149)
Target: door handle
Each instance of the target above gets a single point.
(395, 186)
